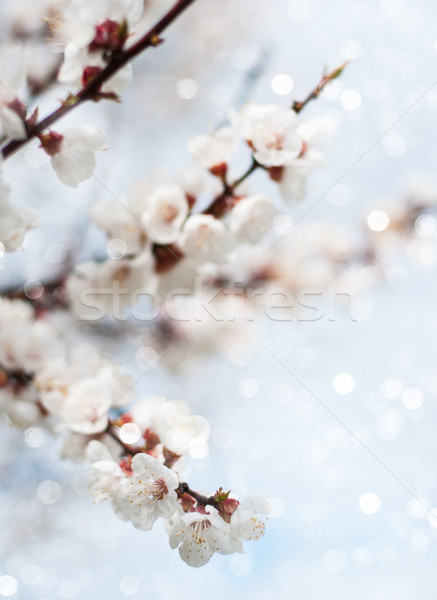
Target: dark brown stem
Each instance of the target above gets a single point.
(92, 89)
(201, 500)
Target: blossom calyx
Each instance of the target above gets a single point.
(226, 506)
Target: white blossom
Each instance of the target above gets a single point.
(172, 422)
(143, 412)
(198, 535)
(12, 85)
(193, 180)
(80, 25)
(153, 211)
(77, 59)
(82, 390)
(20, 407)
(214, 149)
(251, 218)
(72, 153)
(246, 522)
(86, 407)
(293, 179)
(206, 238)
(149, 492)
(106, 478)
(271, 131)
(15, 222)
(99, 289)
(119, 223)
(26, 343)
(165, 210)
(177, 429)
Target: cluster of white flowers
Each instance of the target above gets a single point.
(161, 235)
(201, 533)
(135, 452)
(144, 489)
(158, 239)
(82, 389)
(91, 31)
(26, 343)
(282, 144)
(13, 82)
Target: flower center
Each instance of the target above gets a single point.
(159, 489)
(199, 529)
(168, 212)
(274, 140)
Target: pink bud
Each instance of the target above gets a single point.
(110, 35)
(226, 508)
(187, 502)
(51, 142)
(219, 170)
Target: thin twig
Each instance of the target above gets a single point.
(92, 89)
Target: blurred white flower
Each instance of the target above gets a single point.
(72, 153)
(153, 211)
(86, 407)
(252, 218)
(176, 428)
(149, 492)
(80, 66)
(292, 178)
(26, 343)
(81, 390)
(96, 290)
(20, 407)
(271, 131)
(87, 29)
(119, 223)
(165, 209)
(106, 478)
(214, 149)
(12, 85)
(293, 181)
(15, 222)
(206, 238)
(193, 180)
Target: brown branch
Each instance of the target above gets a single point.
(92, 90)
(298, 106)
(201, 500)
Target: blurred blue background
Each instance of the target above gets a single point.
(280, 428)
